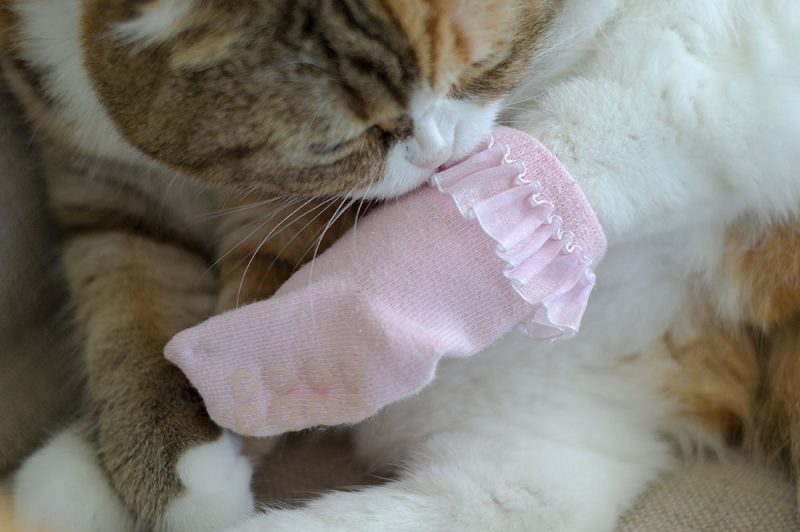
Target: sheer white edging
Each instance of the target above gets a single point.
(543, 323)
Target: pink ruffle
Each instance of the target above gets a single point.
(545, 263)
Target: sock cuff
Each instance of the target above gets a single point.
(543, 226)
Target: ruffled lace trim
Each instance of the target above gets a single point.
(544, 263)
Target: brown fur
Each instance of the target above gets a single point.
(8, 25)
(131, 295)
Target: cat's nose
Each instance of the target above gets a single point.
(432, 144)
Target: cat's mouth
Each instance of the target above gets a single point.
(407, 179)
(404, 174)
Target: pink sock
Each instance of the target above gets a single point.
(507, 239)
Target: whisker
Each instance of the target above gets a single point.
(372, 183)
(324, 206)
(336, 215)
(166, 197)
(275, 230)
(508, 121)
(233, 210)
(355, 223)
(311, 246)
(261, 224)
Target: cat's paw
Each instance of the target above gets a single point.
(61, 487)
(216, 479)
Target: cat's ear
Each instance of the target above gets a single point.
(155, 21)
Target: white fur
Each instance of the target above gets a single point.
(675, 116)
(216, 480)
(61, 487)
(435, 121)
(678, 112)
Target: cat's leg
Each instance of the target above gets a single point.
(172, 468)
(503, 442)
(657, 149)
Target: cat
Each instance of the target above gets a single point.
(680, 120)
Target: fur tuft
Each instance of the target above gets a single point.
(158, 21)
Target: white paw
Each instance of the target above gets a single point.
(216, 480)
(61, 487)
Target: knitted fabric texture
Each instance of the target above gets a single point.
(504, 238)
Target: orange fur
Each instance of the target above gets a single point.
(764, 265)
(777, 435)
(716, 374)
(738, 375)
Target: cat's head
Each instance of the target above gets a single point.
(365, 97)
